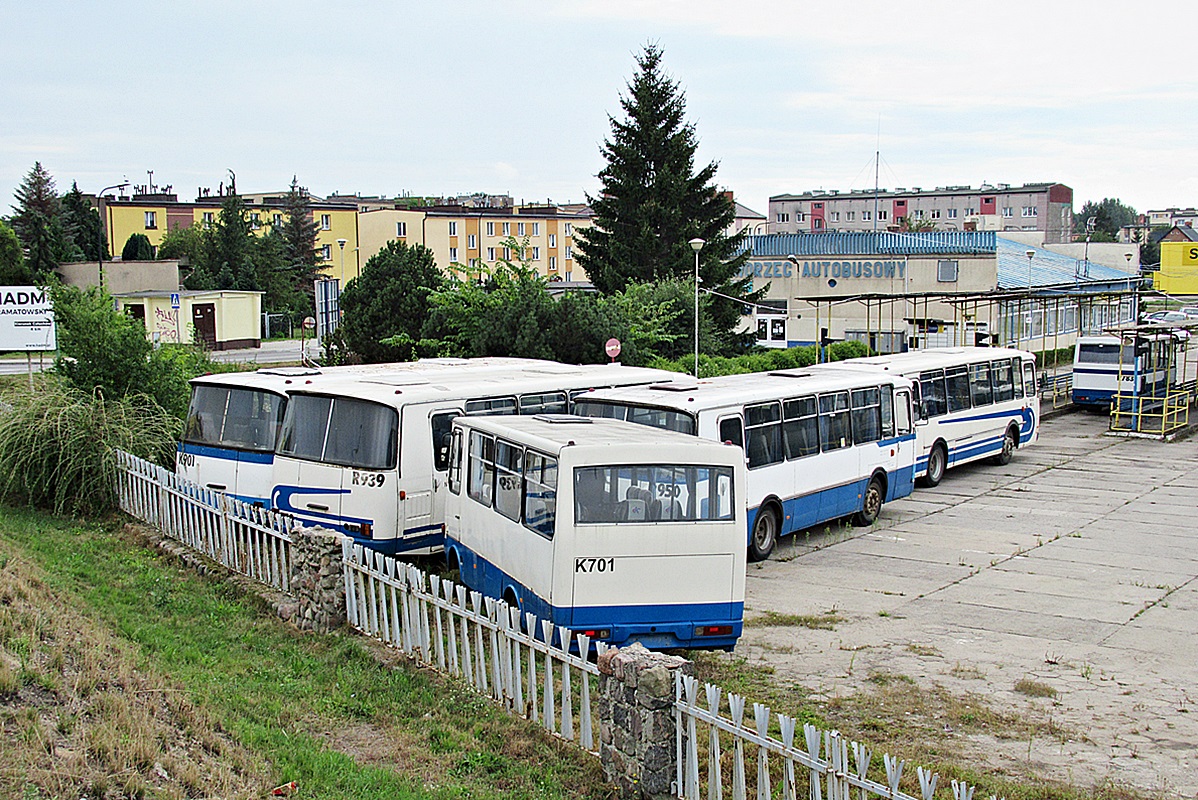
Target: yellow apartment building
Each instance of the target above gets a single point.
(470, 237)
(155, 214)
(1179, 269)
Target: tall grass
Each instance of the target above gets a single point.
(57, 445)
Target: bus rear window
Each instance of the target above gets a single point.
(642, 415)
(652, 493)
(1101, 354)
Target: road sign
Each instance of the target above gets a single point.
(174, 299)
(309, 323)
(612, 348)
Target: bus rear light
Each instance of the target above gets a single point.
(603, 633)
(403, 495)
(713, 630)
(367, 530)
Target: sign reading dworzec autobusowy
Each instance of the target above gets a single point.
(26, 319)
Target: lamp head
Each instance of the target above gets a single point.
(342, 242)
(697, 244)
(1030, 254)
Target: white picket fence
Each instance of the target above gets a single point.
(478, 638)
(836, 768)
(245, 538)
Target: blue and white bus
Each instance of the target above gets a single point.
(972, 403)
(364, 455)
(619, 531)
(820, 444)
(234, 418)
(1143, 365)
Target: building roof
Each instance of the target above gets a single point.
(985, 188)
(744, 212)
(1049, 270)
(781, 245)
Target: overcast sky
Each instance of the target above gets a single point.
(452, 97)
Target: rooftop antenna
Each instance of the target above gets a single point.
(877, 168)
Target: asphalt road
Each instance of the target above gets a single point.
(1076, 566)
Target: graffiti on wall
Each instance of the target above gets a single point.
(166, 324)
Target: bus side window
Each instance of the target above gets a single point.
(763, 424)
(441, 423)
(455, 462)
(1029, 379)
(731, 431)
(917, 403)
(902, 412)
(886, 398)
(481, 476)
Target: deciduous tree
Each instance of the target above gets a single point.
(137, 248)
(389, 299)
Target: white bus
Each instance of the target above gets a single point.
(1104, 365)
(233, 418)
(363, 456)
(820, 444)
(973, 403)
(619, 531)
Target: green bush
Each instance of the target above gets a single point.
(760, 360)
(57, 445)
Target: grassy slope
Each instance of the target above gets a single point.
(319, 710)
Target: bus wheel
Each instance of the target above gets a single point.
(937, 463)
(1009, 442)
(871, 504)
(765, 534)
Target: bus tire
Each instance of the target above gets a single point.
(871, 502)
(1010, 441)
(765, 534)
(937, 464)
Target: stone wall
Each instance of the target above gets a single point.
(636, 720)
(317, 579)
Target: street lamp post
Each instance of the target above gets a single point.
(341, 244)
(697, 245)
(100, 251)
(1030, 255)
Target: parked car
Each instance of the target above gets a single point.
(1191, 312)
(1159, 317)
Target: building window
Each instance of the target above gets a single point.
(519, 228)
(401, 229)
(569, 252)
(490, 254)
(1030, 211)
(507, 229)
(326, 222)
(866, 216)
(969, 212)
(326, 253)
(536, 254)
(849, 216)
(781, 217)
(569, 276)
(567, 230)
(952, 213)
(536, 229)
(471, 242)
(453, 254)
(490, 229)
(255, 220)
(818, 224)
(935, 213)
(553, 240)
(276, 220)
(836, 216)
(553, 263)
(507, 254)
(1008, 211)
(946, 271)
(453, 228)
(917, 213)
(206, 217)
(151, 220)
(882, 214)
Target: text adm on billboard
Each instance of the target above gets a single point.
(26, 319)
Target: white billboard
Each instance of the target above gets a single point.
(26, 319)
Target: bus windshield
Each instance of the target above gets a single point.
(246, 419)
(662, 418)
(652, 493)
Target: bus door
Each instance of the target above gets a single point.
(902, 470)
(839, 468)
(415, 511)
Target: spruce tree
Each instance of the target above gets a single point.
(654, 202)
(231, 242)
(38, 224)
(299, 236)
(82, 223)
